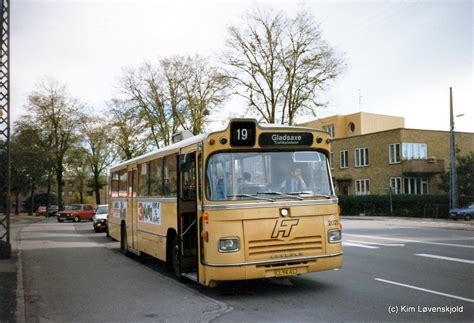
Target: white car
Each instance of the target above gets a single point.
(99, 219)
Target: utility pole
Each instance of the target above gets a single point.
(453, 178)
(5, 187)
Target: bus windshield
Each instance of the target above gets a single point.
(267, 175)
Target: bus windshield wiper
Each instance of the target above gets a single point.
(252, 197)
(281, 194)
(312, 194)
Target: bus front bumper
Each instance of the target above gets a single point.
(271, 269)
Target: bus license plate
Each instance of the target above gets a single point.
(286, 272)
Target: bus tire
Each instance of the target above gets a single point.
(123, 240)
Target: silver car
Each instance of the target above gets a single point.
(99, 219)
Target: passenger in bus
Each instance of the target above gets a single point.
(224, 188)
(170, 186)
(294, 182)
(244, 182)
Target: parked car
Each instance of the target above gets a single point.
(52, 210)
(41, 211)
(465, 213)
(76, 212)
(99, 220)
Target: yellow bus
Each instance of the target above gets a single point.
(251, 201)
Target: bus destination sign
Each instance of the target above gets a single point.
(286, 139)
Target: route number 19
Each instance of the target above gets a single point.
(242, 133)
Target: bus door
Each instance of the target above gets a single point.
(187, 215)
(132, 209)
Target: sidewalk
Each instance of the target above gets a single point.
(11, 278)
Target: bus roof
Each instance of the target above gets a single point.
(201, 137)
(178, 145)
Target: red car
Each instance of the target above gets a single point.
(41, 211)
(76, 212)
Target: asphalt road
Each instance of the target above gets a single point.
(394, 270)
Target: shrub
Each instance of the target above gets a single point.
(433, 206)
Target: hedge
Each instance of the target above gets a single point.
(432, 206)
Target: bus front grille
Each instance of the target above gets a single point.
(292, 248)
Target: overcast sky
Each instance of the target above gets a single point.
(402, 56)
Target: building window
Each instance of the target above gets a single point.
(361, 157)
(69, 193)
(351, 127)
(331, 160)
(415, 185)
(394, 153)
(362, 187)
(330, 129)
(344, 162)
(414, 151)
(396, 185)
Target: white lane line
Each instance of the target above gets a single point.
(445, 258)
(379, 244)
(358, 245)
(408, 240)
(425, 290)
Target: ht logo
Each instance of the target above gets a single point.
(284, 227)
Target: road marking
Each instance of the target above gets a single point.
(425, 290)
(445, 258)
(416, 241)
(379, 244)
(358, 245)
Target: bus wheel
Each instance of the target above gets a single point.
(176, 258)
(123, 241)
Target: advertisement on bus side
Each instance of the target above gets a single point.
(149, 212)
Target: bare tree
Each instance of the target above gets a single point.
(57, 116)
(145, 90)
(177, 93)
(173, 76)
(204, 88)
(280, 63)
(78, 170)
(99, 152)
(129, 132)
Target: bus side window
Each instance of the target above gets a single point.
(156, 177)
(169, 175)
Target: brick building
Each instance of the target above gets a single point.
(373, 152)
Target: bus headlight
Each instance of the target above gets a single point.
(229, 244)
(334, 236)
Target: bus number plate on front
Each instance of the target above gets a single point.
(286, 272)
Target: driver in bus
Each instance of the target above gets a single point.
(295, 182)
